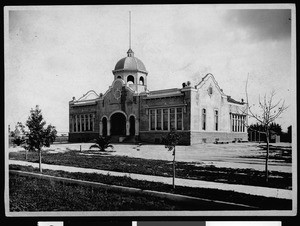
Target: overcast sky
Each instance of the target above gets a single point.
(55, 53)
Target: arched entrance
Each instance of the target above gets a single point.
(118, 124)
(132, 125)
(104, 126)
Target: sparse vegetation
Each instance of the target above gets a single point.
(44, 195)
(102, 143)
(215, 194)
(100, 160)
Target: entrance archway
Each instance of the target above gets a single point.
(104, 126)
(132, 125)
(118, 124)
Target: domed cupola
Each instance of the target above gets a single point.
(133, 71)
(130, 63)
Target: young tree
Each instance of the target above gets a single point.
(170, 141)
(19, 137)
(39, 135)
(267, 112)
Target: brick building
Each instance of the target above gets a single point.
(128, 111)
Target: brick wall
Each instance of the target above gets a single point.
(156, 137)
(83, 137)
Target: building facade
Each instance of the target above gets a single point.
(129, 112)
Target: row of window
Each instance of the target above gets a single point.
(216, 119)
(166, 119)
(130, 79)
(83, 122)
(237, 122)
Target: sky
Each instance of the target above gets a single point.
(57, 52)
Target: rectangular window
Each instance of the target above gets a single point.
(172, 118)
(92, 122)
(158, 119)
(86, 123)
(74, 124)
(243, 123)
(179, 118)
(216, 120)
(82, 122)
(78, 123)
(204, 119)
(232, 123)
(165, 119)
(152, 119)
(235, 123)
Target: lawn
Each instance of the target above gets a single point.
(43, 195)
(260, 202)
(189, 170)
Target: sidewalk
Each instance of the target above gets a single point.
(252, 190)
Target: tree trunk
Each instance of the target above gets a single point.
(40, 160)
(174, 170)
(267, 157)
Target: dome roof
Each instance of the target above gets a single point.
(130, 63)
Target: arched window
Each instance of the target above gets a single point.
(119, 77)
(210, 90)
(130, 79)
(141, 80)
(216, 120)
(204, 119)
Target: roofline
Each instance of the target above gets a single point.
(128, 70)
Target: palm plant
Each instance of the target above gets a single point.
(102, 143)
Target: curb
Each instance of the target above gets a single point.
(164, 195)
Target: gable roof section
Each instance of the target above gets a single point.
(90, 95)
(87, 99)
(205, 78)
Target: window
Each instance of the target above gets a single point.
(119, 77)
(86, 122)
(179, 118)
(158, 119)
(238, 123)
(152, 119)
(232, 122)
(74, 123)
(78, 123)
(82, 122)
(243, 123)
(130, 79)
(210, 90)
(92, 122)
(165, 119)
(204, 119)
(141, 81)
(172, 118)
(216, 119)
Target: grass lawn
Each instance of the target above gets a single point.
(104, 161)
(33, 194)
(260, 202)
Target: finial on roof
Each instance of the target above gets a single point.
(130, 53)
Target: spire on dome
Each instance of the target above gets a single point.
(129, 29)
(130, 53)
